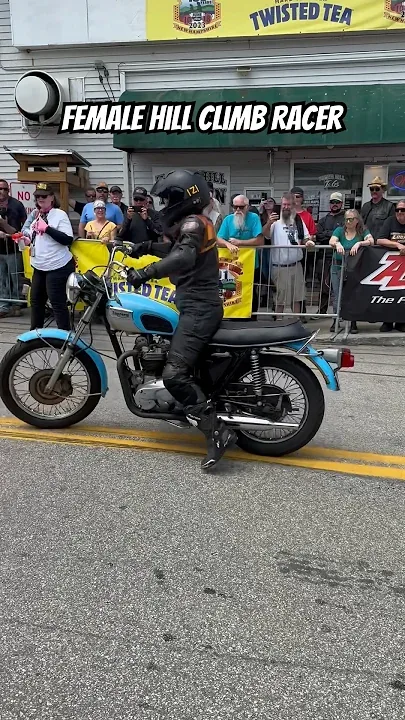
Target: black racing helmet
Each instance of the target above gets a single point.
(183, 192)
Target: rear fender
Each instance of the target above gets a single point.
(55, 334)
(326, 370)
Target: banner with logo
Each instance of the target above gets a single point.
(236, 276)
(185, 19)
(374, 290)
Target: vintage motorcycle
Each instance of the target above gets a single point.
(259, 375)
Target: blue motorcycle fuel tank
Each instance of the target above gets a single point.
(133, 313)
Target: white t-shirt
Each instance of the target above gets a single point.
(48, 253)
(279, 234)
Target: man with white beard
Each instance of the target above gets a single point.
(289, 233)
(243, 228)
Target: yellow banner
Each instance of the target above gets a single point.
(236, 275)
(184, 19)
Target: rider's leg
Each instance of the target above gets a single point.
(193, 333)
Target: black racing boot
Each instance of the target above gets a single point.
(219, 437)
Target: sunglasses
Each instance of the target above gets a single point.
(239, 207)
(100, 189)
(351, 219)
(335, 202)
(139, 198)
(375, 188)
(43, 197)
(401, 210)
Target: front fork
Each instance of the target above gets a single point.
(68, 353)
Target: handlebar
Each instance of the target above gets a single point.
(123, 245)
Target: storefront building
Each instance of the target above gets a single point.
(265, 164)
(120, 54)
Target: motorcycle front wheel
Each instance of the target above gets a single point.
(24, 373)
(282, 377)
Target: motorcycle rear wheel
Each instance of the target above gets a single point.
(34, 409)
(314, 411)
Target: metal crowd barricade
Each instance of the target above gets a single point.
(13, 284)
(297, 281)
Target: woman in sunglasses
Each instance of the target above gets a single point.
(349, 238)
(100, 228)
(393, 238)
(50, 232)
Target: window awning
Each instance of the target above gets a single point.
(373, 117)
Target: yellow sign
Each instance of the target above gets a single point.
(170, 20)
(236, 276)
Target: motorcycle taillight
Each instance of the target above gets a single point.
(347, 358)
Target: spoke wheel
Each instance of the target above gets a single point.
(24, 375)
(291, 394)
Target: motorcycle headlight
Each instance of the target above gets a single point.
(73, 287)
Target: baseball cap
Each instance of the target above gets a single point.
(99, 204)
(141, 191)
(42, 189)
(297, 191)
(102, 186)
(115, 189)
(336, 196)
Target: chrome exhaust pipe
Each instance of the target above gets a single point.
(253, 423)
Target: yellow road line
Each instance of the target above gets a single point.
(116, 443)
(310, 451)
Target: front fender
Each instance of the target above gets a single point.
(320, 363)
(55, 334)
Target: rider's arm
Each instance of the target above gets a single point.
(184, 255)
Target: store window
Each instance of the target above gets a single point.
(319, 180)
(396, 181)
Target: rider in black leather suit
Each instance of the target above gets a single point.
(190, 260)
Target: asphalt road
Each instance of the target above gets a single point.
(134, 587)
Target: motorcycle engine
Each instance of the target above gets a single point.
(153, 357)
(152, 395)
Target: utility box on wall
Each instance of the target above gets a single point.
(76, 22)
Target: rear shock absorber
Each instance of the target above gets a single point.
(257, 373)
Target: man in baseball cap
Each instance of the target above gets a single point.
(141, 222)
(116, 198)
(326, 226)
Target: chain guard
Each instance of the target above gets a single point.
(274, 403)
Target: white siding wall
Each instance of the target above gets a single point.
(345, 58)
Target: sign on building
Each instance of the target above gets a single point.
(24, 192)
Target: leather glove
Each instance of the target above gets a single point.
(137, 278)
(140, 249)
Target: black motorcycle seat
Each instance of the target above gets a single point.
(247, 333)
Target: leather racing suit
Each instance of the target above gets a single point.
(190, 261)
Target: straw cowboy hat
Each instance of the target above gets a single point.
(377, 181)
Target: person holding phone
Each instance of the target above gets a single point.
(142, 223)
(269, 213)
